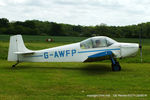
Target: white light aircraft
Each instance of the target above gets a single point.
(89, 50)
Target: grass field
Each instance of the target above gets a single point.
(73, 81)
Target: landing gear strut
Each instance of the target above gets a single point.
(15, 64)
(115, 65)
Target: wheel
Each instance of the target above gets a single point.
(116, 67)
(13, 66)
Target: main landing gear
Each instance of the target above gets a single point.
(115, 65)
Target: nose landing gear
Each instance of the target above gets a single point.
(115, 65)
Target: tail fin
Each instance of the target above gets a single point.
(16, 44)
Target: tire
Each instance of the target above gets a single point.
(13, 66)
(116, 67)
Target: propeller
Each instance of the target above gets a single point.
(140, 44)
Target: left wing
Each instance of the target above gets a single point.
(99, 56)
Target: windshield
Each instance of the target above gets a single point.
(96, 42)
(110, 41)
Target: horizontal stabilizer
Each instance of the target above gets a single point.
(25, 53)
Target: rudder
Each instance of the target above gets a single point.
(16, 44)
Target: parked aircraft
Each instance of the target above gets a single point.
(92, 49)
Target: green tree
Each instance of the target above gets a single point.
(4, 22)
(56, 29)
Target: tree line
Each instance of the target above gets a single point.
(36, 27)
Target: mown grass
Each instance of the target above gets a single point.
(33, 38)
(72, 81)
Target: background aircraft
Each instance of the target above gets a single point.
(89, 50)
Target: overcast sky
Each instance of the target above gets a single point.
(78, 12)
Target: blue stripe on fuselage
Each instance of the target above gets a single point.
(98, 50)
(101, 54)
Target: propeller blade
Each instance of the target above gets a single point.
(140, 44)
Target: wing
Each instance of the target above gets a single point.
(99, 56)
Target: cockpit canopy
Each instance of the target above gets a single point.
(97, 42)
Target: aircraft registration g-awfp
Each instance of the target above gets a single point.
(89, 50)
